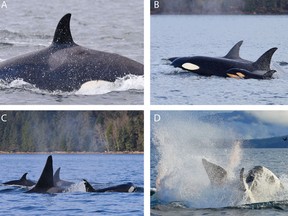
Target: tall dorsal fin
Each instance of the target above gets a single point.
(23, 178)
(216, 174)
(56, 176)
(62, 33)
(263, 63)
(234, 51)
(46, 178)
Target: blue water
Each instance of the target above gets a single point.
(177, 147)
(100, 170)
(191, 35)
(115, 27)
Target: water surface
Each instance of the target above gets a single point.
(99, 170)
(191, 35)
(115, 27)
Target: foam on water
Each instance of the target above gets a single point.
(181, 145)
(129, 82)
(77, 187)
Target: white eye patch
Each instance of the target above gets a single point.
(190, 66)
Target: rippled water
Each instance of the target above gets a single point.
(100, 170)
(115, 27)
(190, 35)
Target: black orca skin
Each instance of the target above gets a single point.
(230, 65)
(123, 188)
(66, 66)
(23, 181)
(45, 183)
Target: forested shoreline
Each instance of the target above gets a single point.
(72, 131)
(219, 7)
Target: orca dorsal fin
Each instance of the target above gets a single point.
(216, 174)
(263, 63)
(56, 176)
(62, 33)
(23, 178)
(234, 51)
(46, 178)
(88, 186)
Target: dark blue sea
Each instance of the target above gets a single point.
(100, 170)
(115, 26)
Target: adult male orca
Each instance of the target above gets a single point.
(231, 65)
(66, 66)
(23, 181)
(59, 182)
(45, 183)
(124, 188)
(259, 185)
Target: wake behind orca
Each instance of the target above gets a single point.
(66, 66)
(231, 65)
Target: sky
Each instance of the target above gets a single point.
(274, 117)
(238, 124)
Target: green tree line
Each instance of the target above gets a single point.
(70, 131)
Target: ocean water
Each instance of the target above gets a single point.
(100, 170)
(194, 35)
(115, 27)
(183, 187)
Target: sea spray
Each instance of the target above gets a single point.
(182, 141)
(234, 159)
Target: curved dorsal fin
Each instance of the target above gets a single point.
(234, 51)
(56, 176)
(46, 178)
(23, 178)
(263, 63)
(62, 33)
(88, 186)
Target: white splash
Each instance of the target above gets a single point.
(129, 82)
(77, 187)
(181, 176)
(126, 83)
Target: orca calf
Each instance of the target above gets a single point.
(66, 66)
(259, 185)
(45, 183)
(23, 181)
(124, 188)
(59, 182)
(231, 65)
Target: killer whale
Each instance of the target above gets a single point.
(258, 185)
(59, 182)
(124, 188)
(23, 181)
(66, 66)
(231, 65)
(45, 184)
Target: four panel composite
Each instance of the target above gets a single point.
(190, 65)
